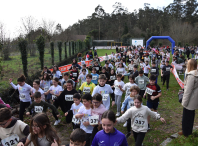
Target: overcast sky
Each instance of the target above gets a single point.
(65, 12)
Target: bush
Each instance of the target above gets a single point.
(60, 50)
(65, 50)
(23, 49)
(160, 44)
(40, 42)
(52, 51)
(179, 44)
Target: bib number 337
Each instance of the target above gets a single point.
(11, 141)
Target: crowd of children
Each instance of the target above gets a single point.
(85, 99)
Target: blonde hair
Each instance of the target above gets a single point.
(191, 65)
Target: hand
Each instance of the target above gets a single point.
(152, 97)
(163, 120)
(66, 114)
(28, 113)
(144, 96)
(54, 143)
(57, 115)
(10, 80)
(20, 144)
(113, 103)
(109, 80)
(122, 112)
(79, 115)
(162, 75)
(86, 123)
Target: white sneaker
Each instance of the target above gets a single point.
(117, 114)
(125, 124)
(57, 122)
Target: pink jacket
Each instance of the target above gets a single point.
(98, 111)
(2, 102)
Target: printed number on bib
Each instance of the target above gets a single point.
(86, 90)
(94, 78)
(149, 91)
(93, 120)
(120, 72)
(11, 141)
(130, 68)
(53, 97)
(117, 86)
(76, 121)
(141, 81)
(167, 68)
(38, 109)
(22, 96)
(112, 77)
(139, 121)
(131, 103)
(74, 74)
(104, 97)
(153, 70)
(97, 68)
(69, 97)
(46, 89)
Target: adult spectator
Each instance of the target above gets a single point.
(187, 52)
(90, 55)
(75, 63)
(190, 99)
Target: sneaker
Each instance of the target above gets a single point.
(125, 124)
(117, 114)
(57, 122)
(128, 134)
(149, 127)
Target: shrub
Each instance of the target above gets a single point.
(65, 50)
(60, 50)
(52, 51)
(40, 42)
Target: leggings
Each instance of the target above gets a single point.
(88, 136)
(129, 125)
(95, 130)
(118, 101)
(141, 93)
(139, 137)
(166, 79)
(23, 105)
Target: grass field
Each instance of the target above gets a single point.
(169, 108)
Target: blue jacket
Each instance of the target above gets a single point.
(109, 139)
(129, 102)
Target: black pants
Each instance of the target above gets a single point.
(95, 130)
(146, 74)
(75, 126)
(161, 78)
(141, 93)
(139, 137)
(166, 79)
(23, 105)
(129, 125)
(88, 136)
(188, 121)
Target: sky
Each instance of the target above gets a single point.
(65, 12)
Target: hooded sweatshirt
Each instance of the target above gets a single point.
(98, 111)
(142, 81)
(109, 139)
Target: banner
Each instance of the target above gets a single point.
(180, 82)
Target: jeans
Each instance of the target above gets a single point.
(118, 101)
(23, 105)
(48, 97)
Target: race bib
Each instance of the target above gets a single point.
(112, 77)
(94, 77)
(53, 97)
(117, 86)
(10, 141)
(159, 57)
(128, 93)
(104, 97)
(97, 68)
(69, 97)
(130, 68)
(86, 90)
(130, 59)
(74, 74)
(141, 81)
(131, 103)
(38, 109)
(167, 68)
(75, 120)
(149, 91)
(120, 72)
(139, 121)
(22, 96)
(46, 89)
(93, 120)
(153, 70)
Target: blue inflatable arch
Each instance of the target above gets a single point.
(161, 37)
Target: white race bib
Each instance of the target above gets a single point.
(139, 121)
(117, 86)
(131, 103)
(112, 77)
(86, 90)
(141, 81)
(53, 97)
(104, 97)
(94, 77)
(93, 120)
(120, 72)
(69, 97)
(10, 141)
(22, 96)
(97, 68)
(46, 88)
(153, 70)
(38, 109)
(149, 91)
(130, 68)
(74, 74)
(75, 120)
(167, 68)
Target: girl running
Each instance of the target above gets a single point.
(36, 85)
(45, 84)
(56, 72)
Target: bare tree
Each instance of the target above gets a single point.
(49, 27)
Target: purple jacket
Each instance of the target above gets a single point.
(109, 139)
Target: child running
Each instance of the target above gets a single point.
(45, 84)
(77, 138)
(24, 94)
(109, 136)
(95, 77)
(82, 76)
(139, 114)
(36, 88)
(88, 86)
